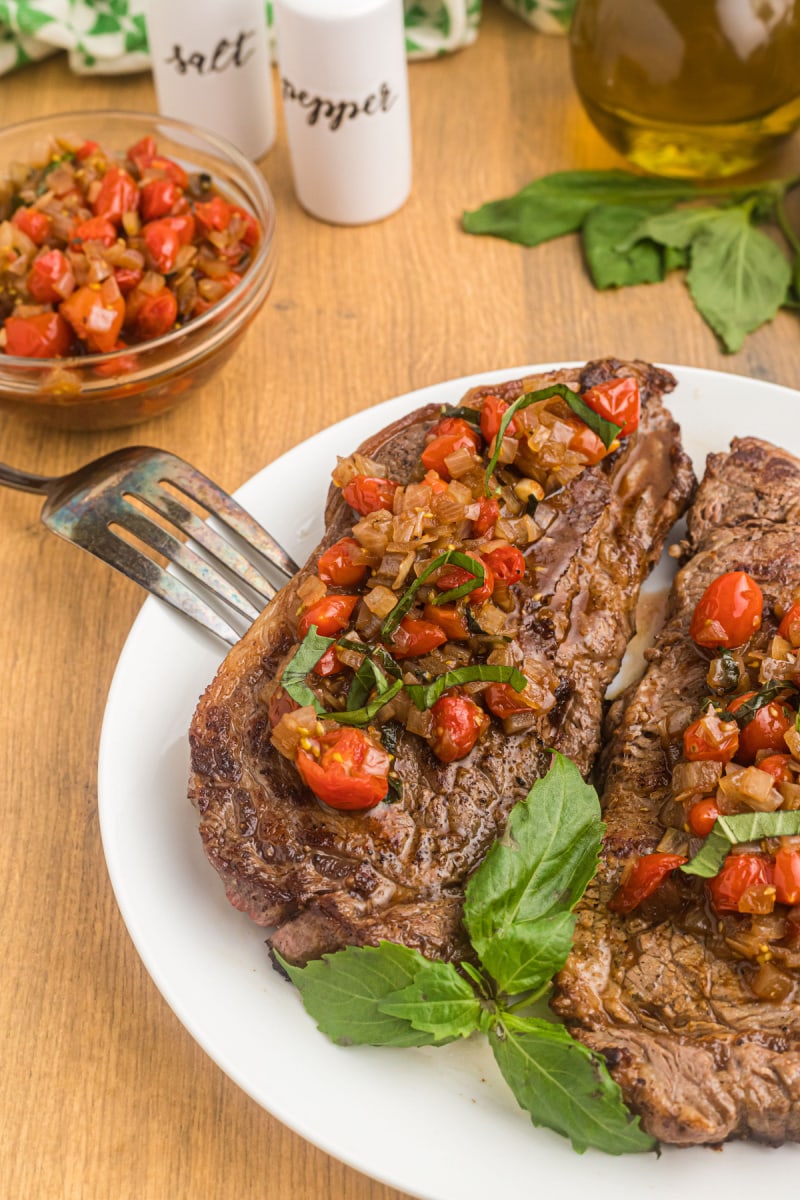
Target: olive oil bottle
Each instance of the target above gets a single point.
(697, 88)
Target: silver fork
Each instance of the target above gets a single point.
(88, 505)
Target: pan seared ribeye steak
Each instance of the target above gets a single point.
(328, 878)
(693, 997)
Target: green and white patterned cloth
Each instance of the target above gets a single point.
(110, 36)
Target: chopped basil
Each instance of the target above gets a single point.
(363, 716)
(475, 568)
(424, 695)
(304, 659)
(765, 695)
(407, 599)
(742, 827)
(471, 415)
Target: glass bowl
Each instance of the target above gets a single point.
(106, 391)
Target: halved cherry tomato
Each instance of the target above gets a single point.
(503, 701)
(435, 482)
(777, 765)
(585, 441)
(128, 278)
(789, 627)
(453, 426)
(786, 876)
(51, 277)
(492, 413)
(728, 613)
(96, 313)
(352, 773)
(507, 563)
(331, 615)
(449, 577)
(159, 196)
(450, 618)
(165, 237)
(329, 664)
(457, 725)
(170, 169)
(214, 214)
(342, 564)
(32, 222)
(642, 878)
(156, 314)
(118, 194)
(485, 521)
(766, 729)
(711, 740)
(740, 874)
(45, 335)
(95, 229)
(143, 152)
(617, 400)
(702, 815)
(367, 494)
(436, 453)
(414, 637)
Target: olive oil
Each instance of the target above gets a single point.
(695, 88)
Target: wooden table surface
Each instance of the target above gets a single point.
(105, 1094)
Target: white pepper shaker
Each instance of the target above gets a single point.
(345, 98)
(211, 67)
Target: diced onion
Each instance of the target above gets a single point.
(752, 787)
(381, 600)
(311, 589)
(293, 728)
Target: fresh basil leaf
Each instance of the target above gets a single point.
(425, 695)
(738, 277)
(439, 1002)
(363, 716)
(538, 871)
(676, 229)
(468, 563)
(741, 827)
(675, 259)
(559, 203)
(304, 659)
(614, 257)
(565, 1087)
(343, 992)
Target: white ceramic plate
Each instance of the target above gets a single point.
(438, 1123)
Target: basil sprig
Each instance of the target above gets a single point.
(607, 431)
(732, 831)
(519, 915)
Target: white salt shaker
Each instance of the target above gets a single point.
(211, 67)
(345, 98)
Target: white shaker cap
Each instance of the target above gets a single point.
(344, 83)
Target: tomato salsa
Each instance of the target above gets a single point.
(100, 251)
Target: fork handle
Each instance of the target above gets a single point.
(23, 481)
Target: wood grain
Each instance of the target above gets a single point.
(105, 1093)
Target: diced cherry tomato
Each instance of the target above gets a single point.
(585, 441)
(435, 482)
(740, 874)
(352, 773)
(96, 313)
(367, 494)
(502, 700)
(342, 564)
(766, 729)
(728, 613)
(95, 229)
(143, 152)
(702, 815)
(118, 194)
(711, 740)
(485, 521)
(642, 879)
(165, 237)
(86, 150)
(436, 452)
(414, 637)
(777, 765)
(117, 367)
(492, 413)
(51, 277)
(329, 664)
(457, 724)
(214, 214)
(170, 169)
(450, 618)
(449, 577)
(156, 314)
(159, 196)
(786, 876)
(507, 563)
(45, 335)
(455, 426)
(617, 400)
(789, 627)
(128, 278)
(331, 615)
(33, 223)
(252, 230)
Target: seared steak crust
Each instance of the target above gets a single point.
(397, 871)
(694, 1050)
